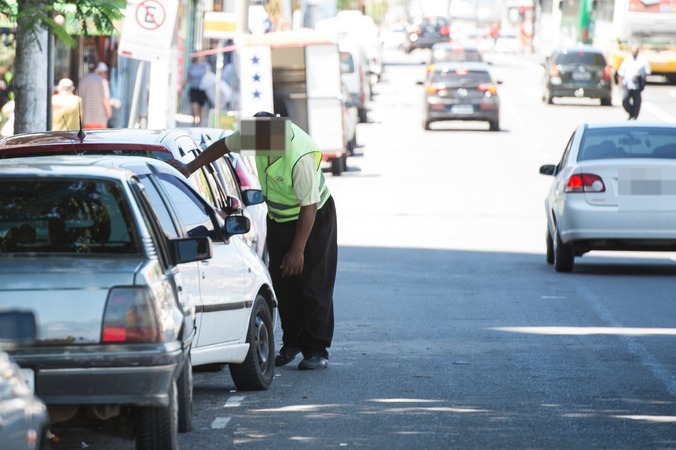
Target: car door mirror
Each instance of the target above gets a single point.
(17, 328)
(186, 250)
(236, 225)
(548, 169)
(253, 197)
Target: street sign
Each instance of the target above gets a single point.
(148, 29)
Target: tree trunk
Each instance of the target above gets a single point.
(30, 76)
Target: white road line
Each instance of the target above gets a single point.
(659, 112)
(234, 401)
(220, 423)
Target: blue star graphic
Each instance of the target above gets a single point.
(255, 60)
(257, 94)
(256, 78)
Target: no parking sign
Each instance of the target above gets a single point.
(148, 29)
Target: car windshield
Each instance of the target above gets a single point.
(64, 216)
(581, 57)
(643, 142)
(461, 77)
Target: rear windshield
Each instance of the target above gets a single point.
(461, 77)
(346, 63)
(65, 216)
(644, 142)
(450, 55)
(589, 58)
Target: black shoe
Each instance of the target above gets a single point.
(313, 363)
(286, 355)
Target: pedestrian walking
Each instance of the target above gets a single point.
(301, 235)
(95, 93)
(66, 106)
(198, 98)
(632, 75)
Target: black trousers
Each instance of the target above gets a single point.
(631, 102)
(306, 300)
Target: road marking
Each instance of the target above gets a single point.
(659, 112)
(219, 423)
(234, 401)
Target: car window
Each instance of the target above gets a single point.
(566, 153)
(228, 177)
(194, 215)
(459, 55)
(581, 57)
(65, 216)
(461, 77)
(639, 142)
(346, 63)
(159, 207)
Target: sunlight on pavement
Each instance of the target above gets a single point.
(585, 331)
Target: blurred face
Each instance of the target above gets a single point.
(634, 52)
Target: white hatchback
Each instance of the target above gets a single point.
(614, 189)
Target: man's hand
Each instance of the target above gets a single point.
(292, 264)
(178, 165)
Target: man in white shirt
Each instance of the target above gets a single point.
(632, 76)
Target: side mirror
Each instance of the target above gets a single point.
(548, 169)
(187, 250)
(17, 328)
(253, 197)
(236, 225)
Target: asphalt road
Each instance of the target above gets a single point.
(451, 330)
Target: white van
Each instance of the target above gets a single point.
(355, 75)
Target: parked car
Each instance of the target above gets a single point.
(24, 422)
(612, 190)
(163, 145)
(580, 72)
(354, 74)
(237, 173)
(461, 91)
(80, 250)
(427, 31)
(226, 311)
(350, 120)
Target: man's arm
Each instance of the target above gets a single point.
(214, 151)
(294, 260)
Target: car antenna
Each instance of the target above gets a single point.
(80, 134)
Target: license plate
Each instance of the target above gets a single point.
(462, 109)
(581, 76)
(29, 377)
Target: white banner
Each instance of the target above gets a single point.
(255, 64)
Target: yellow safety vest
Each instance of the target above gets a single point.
(276, 178)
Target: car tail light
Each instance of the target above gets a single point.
(554, 72)
(417, 30)
(584, 182)
(434, 88)
(129, 316)
(488, 87)
(607, 72)
(430, 69)
(445, 30)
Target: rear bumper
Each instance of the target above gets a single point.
(580, 91)
(75, 376)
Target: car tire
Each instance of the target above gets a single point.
(258, 369)
(339, 165)
(494, 125)
(564, 257)
(547, 97)
(157, 428)
(361, 113)
(426, 125)
(185, 396)
(606, 101)
(550, 248)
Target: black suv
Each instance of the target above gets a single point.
(426, 31)
(580, 72)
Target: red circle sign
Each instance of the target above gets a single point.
(150, 14)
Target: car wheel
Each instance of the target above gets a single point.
(339, 165)
(157, 428)
(258, 369)
(547, 97)
(550, 248)
(426, 125)
(185, 384)
(494, 125)
(361, 113)
(563, 255)
(606, 101)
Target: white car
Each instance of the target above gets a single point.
(614, 189)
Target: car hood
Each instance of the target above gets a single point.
(67, 295)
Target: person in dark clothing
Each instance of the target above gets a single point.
(301, 237)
